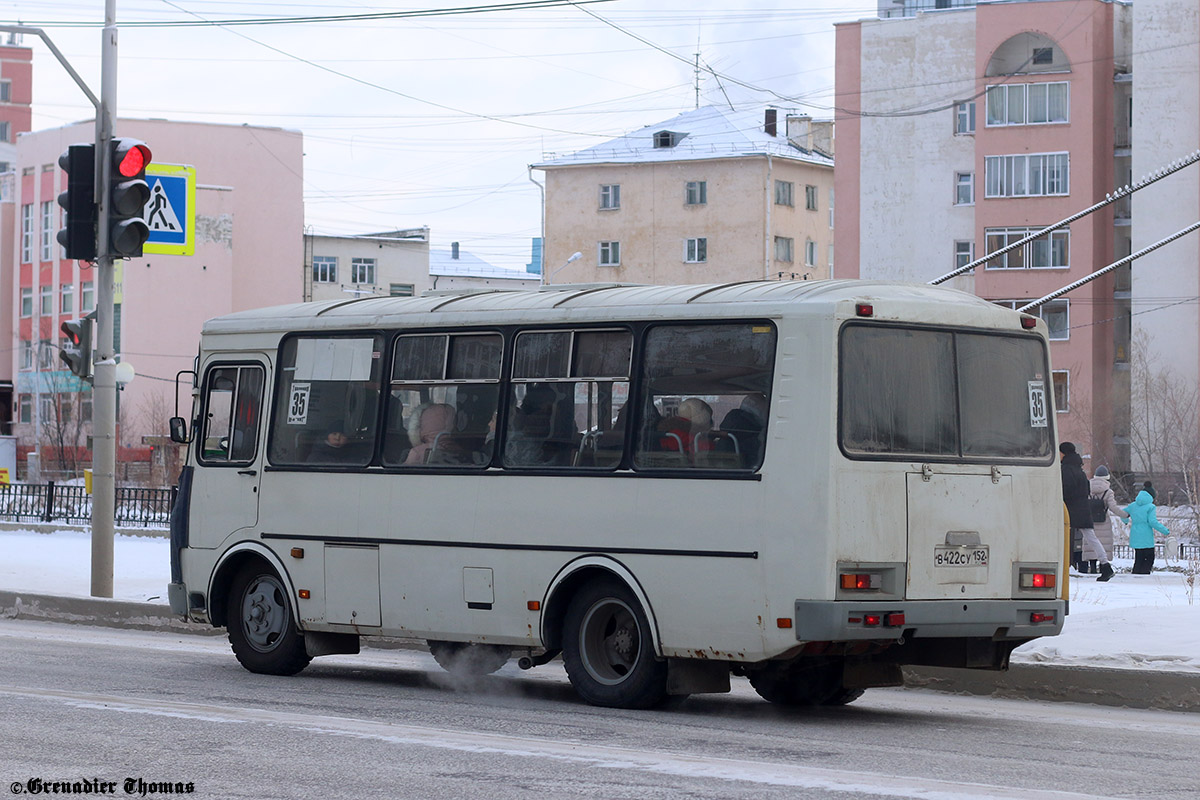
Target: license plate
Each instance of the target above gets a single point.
(967, 556)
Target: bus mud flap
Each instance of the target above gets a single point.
(871, 674)
(692, 676)
(317, 643)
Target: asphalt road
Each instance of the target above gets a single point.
(80, 703)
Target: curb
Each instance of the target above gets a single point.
(1168, 691)
(55, 527)
(1162, 690)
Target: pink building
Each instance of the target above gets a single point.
(961, 129)
(249, 253)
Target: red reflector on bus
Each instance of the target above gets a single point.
(297, 552)
(864, 309)
(1038, 580)
(784, 622)
(304, 594)
(894, 620)
(1028, 322)
(871, 619)
(1038, 616)
(861, 581)
(534, 605)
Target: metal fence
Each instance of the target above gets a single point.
(53, 502)
(1187, 552)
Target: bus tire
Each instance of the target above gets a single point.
(608, 651)
(469, 659)
(262, 629)
(810, 682)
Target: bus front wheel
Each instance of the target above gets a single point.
(608, 651)
(262, 629)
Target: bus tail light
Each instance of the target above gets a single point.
(872, 620)
(1028, 323)
(864, 309)
(894, 620)
(861, 581)
(1037, 580)
(1040, 616)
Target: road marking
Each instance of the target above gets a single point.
(597, 756)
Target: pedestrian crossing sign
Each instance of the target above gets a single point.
(171, 210)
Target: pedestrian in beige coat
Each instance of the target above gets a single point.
(1102, 491)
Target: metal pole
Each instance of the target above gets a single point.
(104, 397)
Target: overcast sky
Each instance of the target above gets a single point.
(434, 119)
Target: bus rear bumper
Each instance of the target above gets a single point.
(843, 620)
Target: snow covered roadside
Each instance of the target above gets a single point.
(1140, 622)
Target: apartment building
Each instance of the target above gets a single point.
(16, 94)
(708, 196)
(963, 126)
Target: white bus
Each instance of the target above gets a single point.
(809, 484)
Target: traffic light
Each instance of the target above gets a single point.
(78, 237)
(76, 352)
(128, 193)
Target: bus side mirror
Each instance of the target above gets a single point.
(178, 430)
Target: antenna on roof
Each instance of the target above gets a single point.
(696, 70)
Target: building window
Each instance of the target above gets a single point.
(1062, 390)
(964, 188)
(401, 289)
(667, 138)
(27, 233)
(5, 131)
(697, 193)
(26, 405)
(783, 249)
(47, 229)
(696, 251)
(324, 269)
(26, 354)
(1056, 314)
(810, 253)
(47, 354)
(610, 254)
(47, 301)
(87, 296)
(964, 118)
(1043, 55)
(964, 253)
(66, 300)
(26, 302)
(5, 91)
(610, 196)
(810, 197)
(1034, 175)
(362, 270)
(1028, 103)
(783, 193)
(1052, 251)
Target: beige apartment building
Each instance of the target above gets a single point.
(708, 196)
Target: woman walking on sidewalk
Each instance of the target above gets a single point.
(1143, 522)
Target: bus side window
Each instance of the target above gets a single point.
(232, 404)
(706, 389)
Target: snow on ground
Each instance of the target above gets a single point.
(1133, 621)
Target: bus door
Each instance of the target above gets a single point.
(228, 450)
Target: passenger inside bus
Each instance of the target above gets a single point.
(338, 448)
(530, 441)
(685, 431)
(431, 427)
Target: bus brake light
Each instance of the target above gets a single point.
(872, 620)
(1028, 323)
(1038, 616)
(864, 309)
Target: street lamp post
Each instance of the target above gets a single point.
(574, 257)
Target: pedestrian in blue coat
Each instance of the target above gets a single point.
(1143, 522)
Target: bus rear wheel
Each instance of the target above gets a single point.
(469, 659)
(262, 628)
(811, 682)
(608, 651)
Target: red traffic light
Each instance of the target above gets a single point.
(133, 161)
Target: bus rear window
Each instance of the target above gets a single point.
(942, 394)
